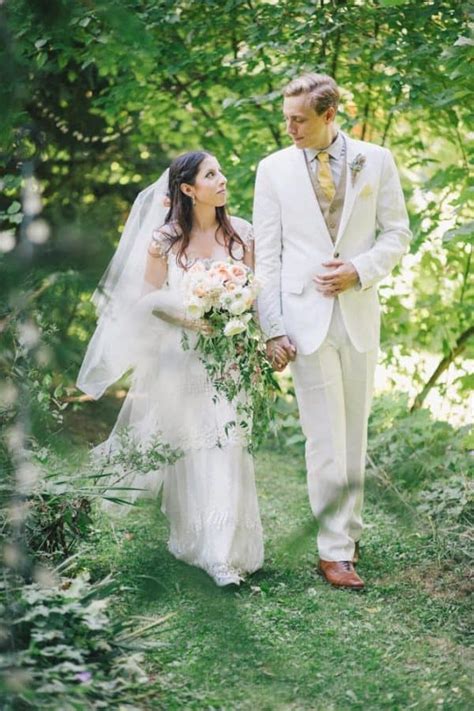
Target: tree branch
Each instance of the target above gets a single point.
(335, 59)
(443, 365)
(390, 117)
(369, 87)
(467, 271)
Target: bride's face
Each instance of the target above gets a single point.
(210, 184)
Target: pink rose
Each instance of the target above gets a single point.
(238, 273)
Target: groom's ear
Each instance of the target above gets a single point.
(330, 114)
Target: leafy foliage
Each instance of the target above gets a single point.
(107, 94)
(64, 649)
(55, 523)
(97, 98)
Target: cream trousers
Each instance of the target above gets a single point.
(334, 387)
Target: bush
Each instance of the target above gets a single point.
(63, 649)
(412, 448)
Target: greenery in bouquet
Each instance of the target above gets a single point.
(220, 297)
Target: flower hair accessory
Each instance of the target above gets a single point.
(356, 166)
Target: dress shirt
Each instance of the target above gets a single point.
(336, 151)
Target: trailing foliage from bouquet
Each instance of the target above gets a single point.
(220, 298)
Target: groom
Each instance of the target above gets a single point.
(330, 222)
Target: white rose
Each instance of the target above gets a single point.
(248, 297)
(241, 301)
(234, 326)
(196, 308)
(237, 307)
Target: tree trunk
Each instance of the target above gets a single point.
(369, 87)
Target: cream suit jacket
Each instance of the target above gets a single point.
(292, 241)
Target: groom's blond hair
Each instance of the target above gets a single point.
(321, 89)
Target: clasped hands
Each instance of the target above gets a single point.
(343, 276)
(280, 351)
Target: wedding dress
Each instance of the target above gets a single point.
(208, 494)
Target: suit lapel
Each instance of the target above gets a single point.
(307, 195)
(352, 150)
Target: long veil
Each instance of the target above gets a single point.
(114, 347)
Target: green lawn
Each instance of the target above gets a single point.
(286, 639)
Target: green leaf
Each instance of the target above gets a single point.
(14, 208)
(459, 233)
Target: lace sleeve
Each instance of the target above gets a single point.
(248, 237)
(244, 230)
(159, 244)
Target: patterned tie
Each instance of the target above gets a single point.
(325, 177)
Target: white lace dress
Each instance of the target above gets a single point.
(209, 495)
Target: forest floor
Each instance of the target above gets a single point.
(286, 640)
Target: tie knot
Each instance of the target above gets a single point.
(323, 156)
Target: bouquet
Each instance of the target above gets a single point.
(220, 296)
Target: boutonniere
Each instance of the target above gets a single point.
(356, 166)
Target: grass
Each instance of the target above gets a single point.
(287, 640)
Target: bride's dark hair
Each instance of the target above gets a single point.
(180, 215)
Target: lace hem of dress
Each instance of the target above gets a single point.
(222, 573)
(225, 575)
(212, 519)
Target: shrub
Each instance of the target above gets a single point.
(63, 649)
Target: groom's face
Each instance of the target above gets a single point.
(306, 128)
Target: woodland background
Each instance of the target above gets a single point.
(98, 96)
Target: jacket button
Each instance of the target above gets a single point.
(336, 254)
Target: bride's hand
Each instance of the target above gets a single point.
(206, 328)
(201, 326)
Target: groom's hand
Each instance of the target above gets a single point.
(343, 275)
(280, 350)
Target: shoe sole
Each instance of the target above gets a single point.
(335, 585)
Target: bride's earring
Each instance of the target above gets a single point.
(194, 200)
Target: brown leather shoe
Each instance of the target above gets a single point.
(356, 557)
(340, 573)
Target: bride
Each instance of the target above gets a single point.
(209, 495)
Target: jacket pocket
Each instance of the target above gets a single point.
(291, 286)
